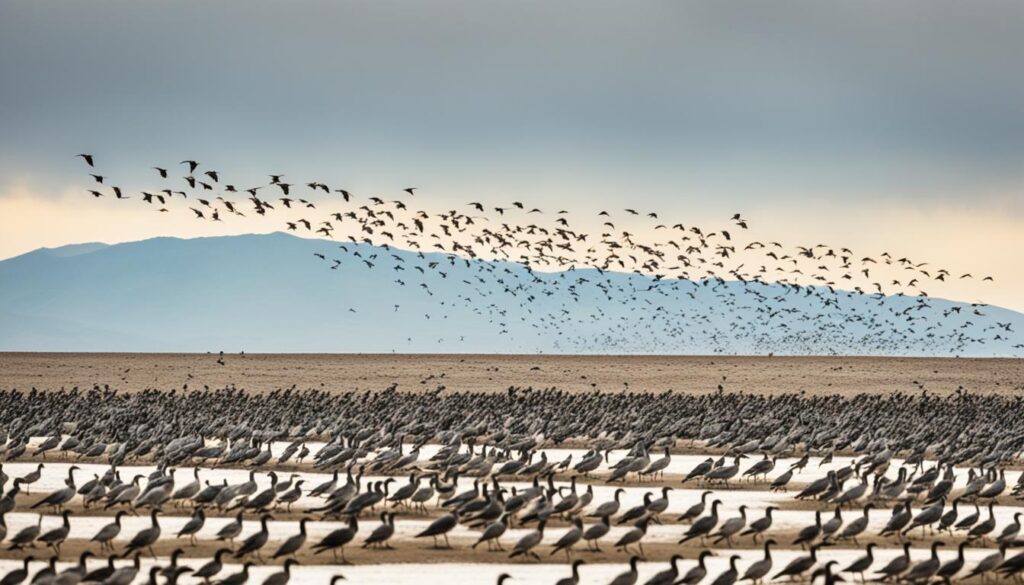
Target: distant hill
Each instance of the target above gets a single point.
(65, 251)
(269, 293)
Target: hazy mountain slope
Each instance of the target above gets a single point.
(270, 293)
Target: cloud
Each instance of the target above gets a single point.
(883, 97)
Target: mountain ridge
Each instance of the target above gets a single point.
(267, 292)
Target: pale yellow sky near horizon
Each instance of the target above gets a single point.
(983, 242)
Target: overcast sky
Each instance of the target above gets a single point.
(886, 126)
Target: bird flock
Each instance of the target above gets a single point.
(642, 276)
(214, 485)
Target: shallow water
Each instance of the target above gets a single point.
(679, 464)
(680, 499)
(84, 524)
(474, 573)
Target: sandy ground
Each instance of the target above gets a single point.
(422, 550)
(815, 375)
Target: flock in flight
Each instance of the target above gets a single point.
(638, 275)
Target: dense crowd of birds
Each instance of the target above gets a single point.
(778, 298)
(957, 428)
(906, 452)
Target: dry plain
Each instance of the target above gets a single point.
(496, 373)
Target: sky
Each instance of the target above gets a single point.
(879, 126)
